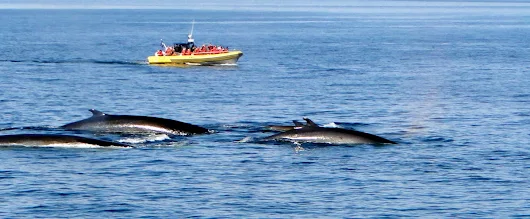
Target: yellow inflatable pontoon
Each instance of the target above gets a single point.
(202, 58)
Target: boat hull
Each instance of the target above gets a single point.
(208, 59)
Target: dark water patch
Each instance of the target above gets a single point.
(247, 161)
(6, 177)
(437, 139)
(523, 114)
(119, 210)
(303, 163)
(118, 62)
(155, 161)
(27, 192)
(64, 194)
(522, 96)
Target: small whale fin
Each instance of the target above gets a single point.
(298, 124)
(310, 122)
(97, 112)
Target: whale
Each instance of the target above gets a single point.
(313, 133)
(55, 140)
(131, 124)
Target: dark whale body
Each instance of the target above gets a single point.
(102, 122)
(48, 140)
(312, 133)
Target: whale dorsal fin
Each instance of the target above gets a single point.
(97, 112)
(297, 124)
(310, 122)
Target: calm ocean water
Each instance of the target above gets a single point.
(450, 84)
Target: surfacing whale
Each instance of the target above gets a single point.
(102, 122)
(312, 133)
(53, 140)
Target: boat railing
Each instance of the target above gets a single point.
(200, 53)
(170, 52)
(209, 53)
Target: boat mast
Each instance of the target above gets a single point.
(192, 24)
(191, 41)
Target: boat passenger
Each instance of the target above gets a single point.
(169, 51)
(159, 53)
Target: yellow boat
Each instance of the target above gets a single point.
(189, 53)
(200, 58)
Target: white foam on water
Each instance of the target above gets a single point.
(245, 140)
(228, 64)
(331, 125)
(144, 139)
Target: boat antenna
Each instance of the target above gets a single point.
(192, 24)
(162, 44)
(190, 36)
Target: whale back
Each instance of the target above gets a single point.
(53, 140)
(315, 134)
(102, 122)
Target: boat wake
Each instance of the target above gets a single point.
(228, 64)
(105, 62)
(211, 64)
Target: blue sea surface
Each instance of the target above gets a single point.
(449, 84)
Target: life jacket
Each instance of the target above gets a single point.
(169, 51)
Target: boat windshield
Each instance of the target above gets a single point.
(181, 46)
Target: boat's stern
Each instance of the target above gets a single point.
(159, 59)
